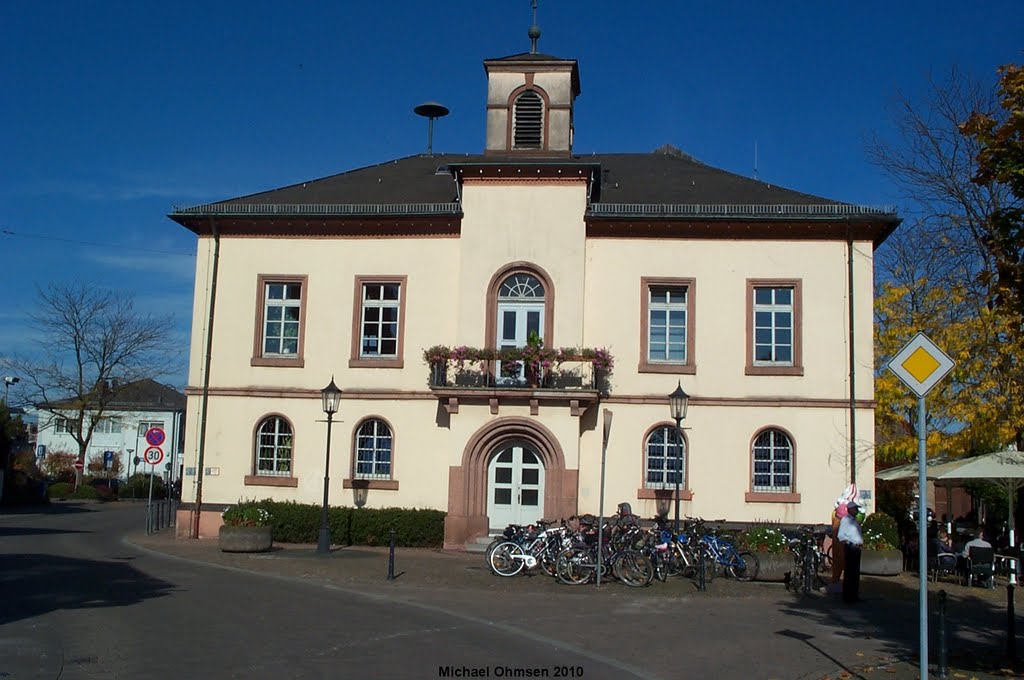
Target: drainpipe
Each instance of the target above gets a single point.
(206, 381)
(853, 364)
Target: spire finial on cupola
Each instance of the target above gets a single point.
(534, 31)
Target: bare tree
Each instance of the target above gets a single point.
(89, 341)
(934, 164)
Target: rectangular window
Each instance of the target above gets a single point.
(280, 320)
(666, 329)
(108, 426)
(667, 325)
(774, 327)
(281, 305)
(145, 426)
(61, 426)
(381, 304)
(378, 323)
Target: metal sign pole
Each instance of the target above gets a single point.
(922, 535)
(600, 512)
(149, 505)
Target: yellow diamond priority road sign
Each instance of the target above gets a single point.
(921, 364)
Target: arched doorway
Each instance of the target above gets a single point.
(471, 484)
(515, 486)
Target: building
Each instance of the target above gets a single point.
(133, 409)
(401, 281)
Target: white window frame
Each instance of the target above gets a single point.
(380, 304)
(665, 451)
(284, 303)
(774, 308)
(280, 446)
(670, 308)
(374, 447)
(776, 452)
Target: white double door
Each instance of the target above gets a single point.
(516, 321)
(515, 487)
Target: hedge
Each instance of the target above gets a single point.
(60, 490)
(300, 523)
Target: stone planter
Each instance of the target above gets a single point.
(881, 562)
(773, 566)
(245, 539)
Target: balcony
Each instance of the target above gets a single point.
(567, 379)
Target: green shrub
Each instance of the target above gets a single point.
(137, 486)
(247, 516)
(764, 538)
(86, 492)
(300, 523)
(880, 532)
(60, 491)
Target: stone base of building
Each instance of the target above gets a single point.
(210, 522)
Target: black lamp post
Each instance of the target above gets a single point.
(331, 396)
(678, 402)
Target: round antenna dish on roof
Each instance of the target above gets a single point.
(431, 110)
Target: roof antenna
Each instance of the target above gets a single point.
(755, 159)
(534, 31)
(431, 110)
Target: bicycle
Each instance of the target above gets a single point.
(807, 561)
(740, 564)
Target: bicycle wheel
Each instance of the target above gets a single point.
(809, 572)
(660, 565)
(706, 558)
(490, 548)
(745, 566)
(576, 566)
(633, 568)
(503, 559)
(825, 564)
(676, 561)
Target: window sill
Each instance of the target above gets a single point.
(775, 370)
(649, 367)
(382, 484)
(766, 497)
(261, 480)
(376, 363)
(656, 494)
(297, 362)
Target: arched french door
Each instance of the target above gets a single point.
(515, 486)
(520, 315)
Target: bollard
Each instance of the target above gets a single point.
(1011, 626)
(391, 557)
(701, 583)
(943, 652)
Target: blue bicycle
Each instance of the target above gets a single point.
(719, 551)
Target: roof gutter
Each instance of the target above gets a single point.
(197, 510)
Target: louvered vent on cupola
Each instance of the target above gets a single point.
(529, 121)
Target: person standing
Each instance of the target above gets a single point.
(852, 540)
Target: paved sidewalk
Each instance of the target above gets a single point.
(884, 625)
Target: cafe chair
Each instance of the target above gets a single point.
(981, 566)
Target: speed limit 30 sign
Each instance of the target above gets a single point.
(153, 455)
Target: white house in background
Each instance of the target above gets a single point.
(137, 407)
(756, 298)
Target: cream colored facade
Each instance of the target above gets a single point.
(532, 216)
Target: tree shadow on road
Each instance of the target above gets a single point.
(35, 584)
(36, 531)
(976, 622)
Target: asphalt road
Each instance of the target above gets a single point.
(78, 601)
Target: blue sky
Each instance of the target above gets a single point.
(114, 112)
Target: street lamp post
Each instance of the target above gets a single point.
(331, 396)
(8, 381)
(678, 401)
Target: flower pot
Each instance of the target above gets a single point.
(245, 539)
(773, 566)
(881, 562)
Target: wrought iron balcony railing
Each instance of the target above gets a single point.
(517, 375)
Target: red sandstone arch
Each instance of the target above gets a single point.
(467, 483)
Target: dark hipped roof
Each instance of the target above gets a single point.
(141, 395)
(659, 178)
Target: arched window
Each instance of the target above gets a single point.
(665, 462)
(373, 450)
(772, 462)
(274, 448)
(528, 117)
